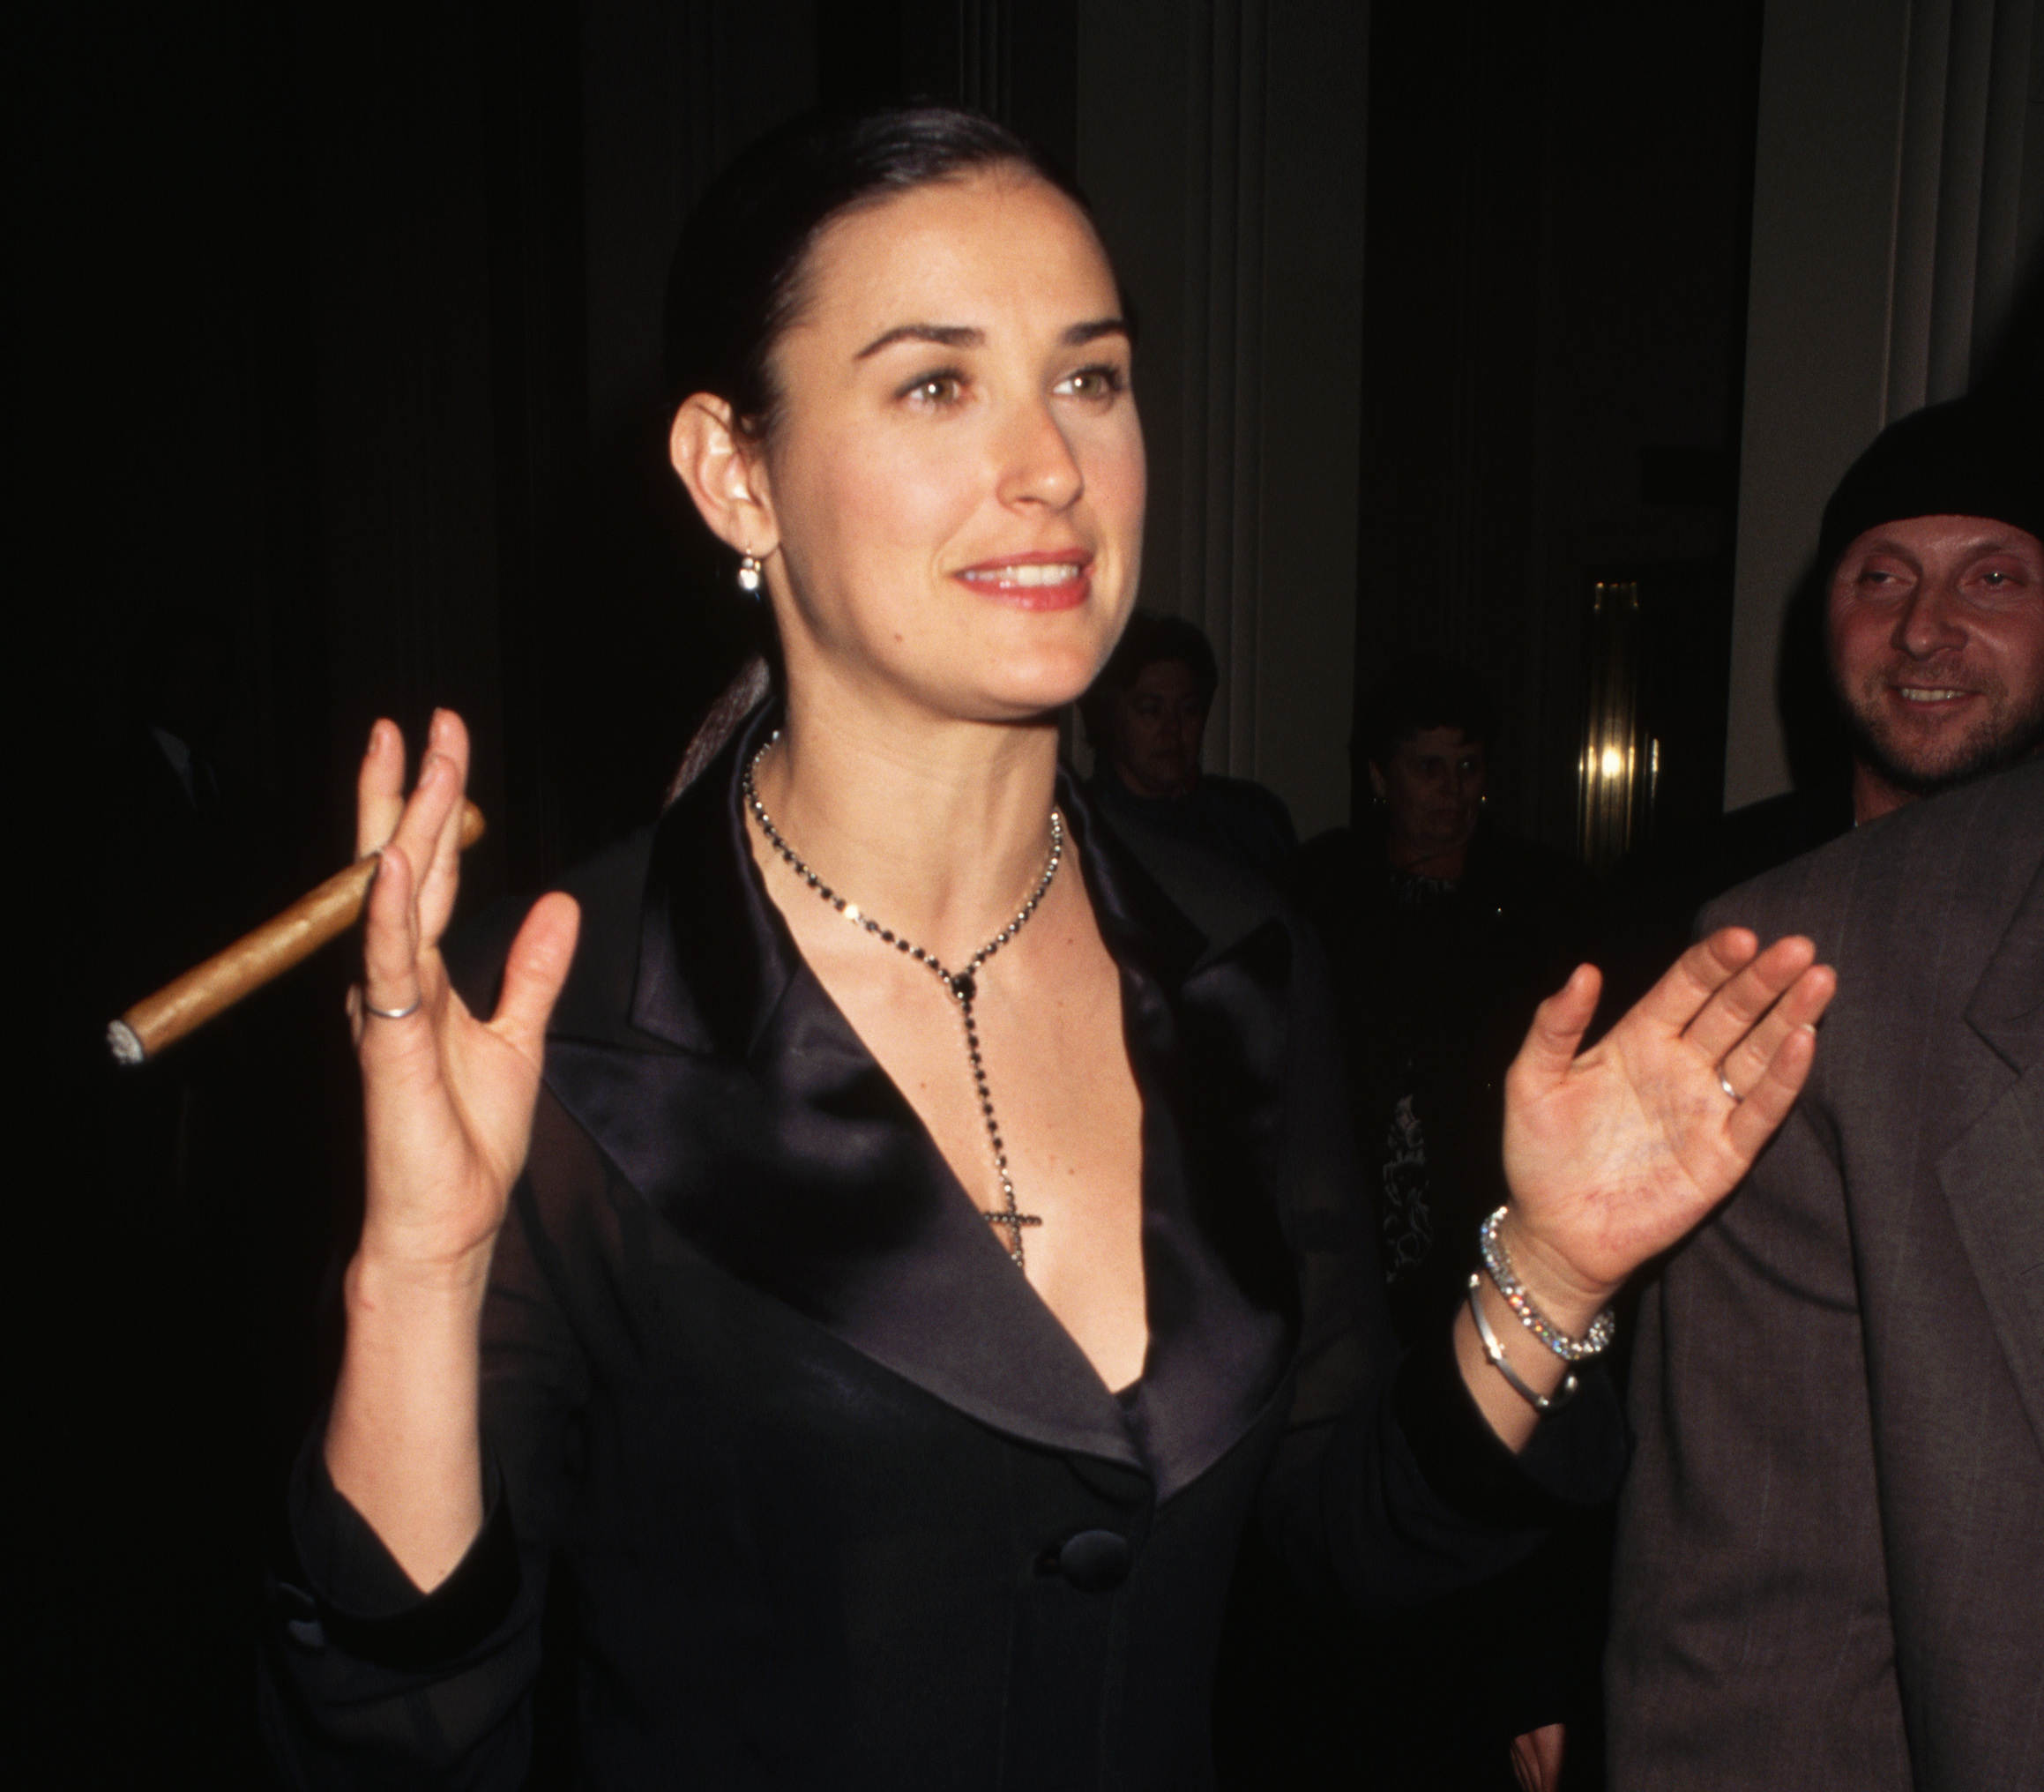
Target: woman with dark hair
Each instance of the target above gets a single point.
(1443, 932)
(856, 1350)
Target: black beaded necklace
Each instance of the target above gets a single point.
(962, 984)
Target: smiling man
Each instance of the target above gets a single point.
(1827, 1573)
(1930, 575)
(1934, 615)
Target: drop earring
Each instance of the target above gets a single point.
(748, 574)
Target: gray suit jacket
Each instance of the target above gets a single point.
(1831, 1558)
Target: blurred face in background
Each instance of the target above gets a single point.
(1431, 788)
(1156, 726)
(1937, 646)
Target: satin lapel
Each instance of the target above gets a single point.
(805, 1175)
(1206, 1019)
(778, 1148)
(1993, 1175)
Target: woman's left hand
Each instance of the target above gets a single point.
(1614, 1155)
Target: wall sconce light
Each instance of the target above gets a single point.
(1618, 766)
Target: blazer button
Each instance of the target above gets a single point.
(292, 1602)
(1094, 1561)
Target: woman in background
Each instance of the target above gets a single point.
(1145, 717)
(1442, 934)
(891, 1240)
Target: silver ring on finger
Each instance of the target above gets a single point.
(1724, 1082)
(369, 1007)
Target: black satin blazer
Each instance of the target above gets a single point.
(822, 1493)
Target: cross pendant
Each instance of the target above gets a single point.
(1014, 1222)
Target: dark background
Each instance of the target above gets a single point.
(338, 323)
(1553, 310)
(345, 328)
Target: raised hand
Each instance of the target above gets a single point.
(447, 1098)
(1615, 1154)
(447, 1102)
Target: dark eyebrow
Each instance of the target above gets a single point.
(946, 335)
(965, 336)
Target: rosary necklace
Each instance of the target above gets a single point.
(962, 985)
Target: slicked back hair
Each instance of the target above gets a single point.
(735, 284)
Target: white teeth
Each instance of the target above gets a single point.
(1046, 573)
(1919, 694)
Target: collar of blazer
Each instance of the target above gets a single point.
(2007, 1009)
(716, 1075)
(1993, 1173)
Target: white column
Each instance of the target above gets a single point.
(1238, 229)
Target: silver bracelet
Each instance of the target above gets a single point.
(1494, 1351)
(1497, 1262)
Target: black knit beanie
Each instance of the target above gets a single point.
(1981, 456)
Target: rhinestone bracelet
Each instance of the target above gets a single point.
(1497, 1264)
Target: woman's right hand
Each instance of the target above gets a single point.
(447, 1104)
(447, 1098)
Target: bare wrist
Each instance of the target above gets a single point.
(379, 1276)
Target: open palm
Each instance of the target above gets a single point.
(1615, 1154)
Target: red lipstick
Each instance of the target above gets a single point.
(1047, 578)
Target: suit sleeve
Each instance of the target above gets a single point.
(366, 1681)
(1749, 1592)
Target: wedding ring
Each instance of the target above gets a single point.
(369, 1007)
(1724, 1083)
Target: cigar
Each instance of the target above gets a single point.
(211, 989)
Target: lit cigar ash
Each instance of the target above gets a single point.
(211, 989)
